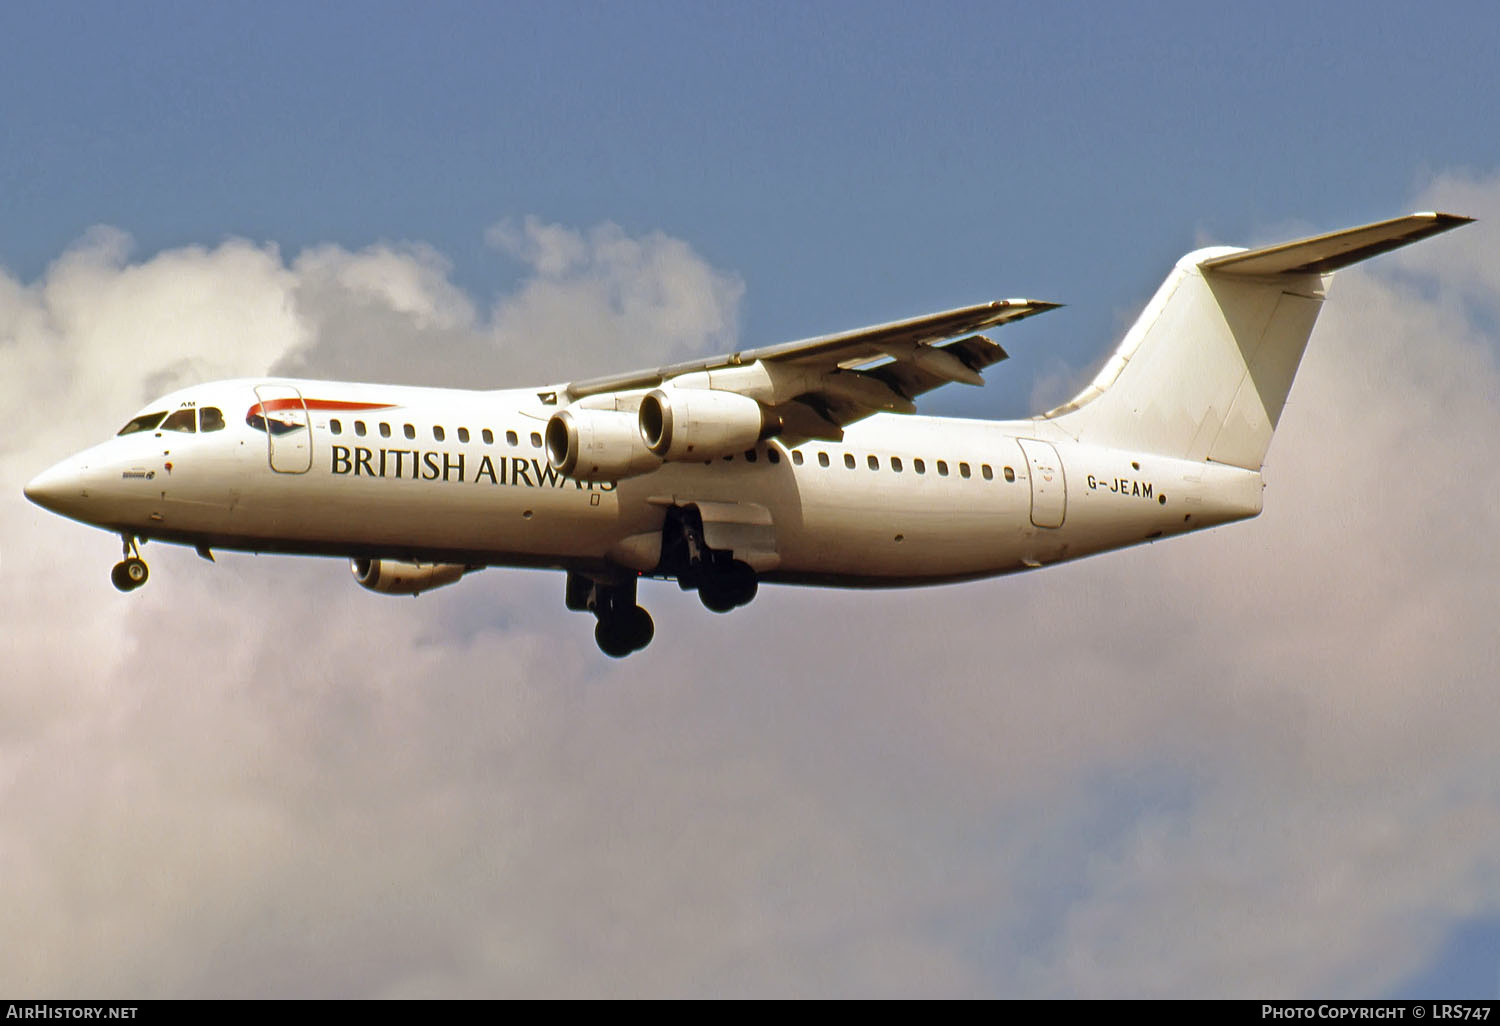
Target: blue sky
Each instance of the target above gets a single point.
(907, 805)
(852, 162)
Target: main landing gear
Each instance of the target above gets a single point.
(728, 587)
(722, 582)
(131, 572)
(623, 626)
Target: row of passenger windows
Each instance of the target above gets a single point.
(209, 418)
(773, 454)
(895, 463)
(439, 434)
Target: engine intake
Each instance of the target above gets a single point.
(700, 423)
(598, 445)
(396, 577)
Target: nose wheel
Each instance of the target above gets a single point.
(131, 572)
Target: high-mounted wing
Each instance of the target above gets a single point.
(818, 385)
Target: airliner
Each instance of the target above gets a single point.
(801, 463)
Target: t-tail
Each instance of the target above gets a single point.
(1204, 372)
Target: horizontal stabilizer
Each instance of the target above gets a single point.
(1324, 254)
(1205, 371)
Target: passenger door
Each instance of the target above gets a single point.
(1049, 489)
(282, 415)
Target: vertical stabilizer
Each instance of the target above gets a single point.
(1204, 372)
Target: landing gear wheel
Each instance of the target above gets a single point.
(716, 596)
(729, 589)
(129, 574)
(611, 641)
(642, 629)
(630, 631)
(746, 584)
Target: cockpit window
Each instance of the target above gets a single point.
(210, 418)
(182, 420)
(145, 422)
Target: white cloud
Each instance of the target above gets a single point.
(1251, 761)
(593, 301)
(610, 301)
(1467, 265)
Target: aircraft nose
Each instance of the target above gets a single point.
(59, 488)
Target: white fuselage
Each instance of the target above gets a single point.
(462, 476)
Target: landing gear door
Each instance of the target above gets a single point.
(282, 415)
(742, 528)
(1049, 489)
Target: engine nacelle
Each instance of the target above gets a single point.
(700, 423)
(598, 445)
(395, 577)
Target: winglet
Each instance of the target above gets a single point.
(1324, 254)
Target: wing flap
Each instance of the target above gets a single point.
(912, 377)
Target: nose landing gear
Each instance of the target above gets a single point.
(131, 572)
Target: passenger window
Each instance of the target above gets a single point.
(510, 437)
(333, 426)
(182, 420)
(408, 431)
(438, 433)
(385, 430)
(210, 418)
(1010, 475)
(822, 459)
(963, 470)
(874, 462)
(942, 466)
(463, 434)
(919, 465)
(773, 454)
(359, 428)
(749, 455)
(849, 460)
(797, 457)
(145, 422)
(488, 436)
(984, 469)
(896, 464)
(536, 440)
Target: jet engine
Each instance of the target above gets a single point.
(395, 577)
(598, 445)
(701, 423)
